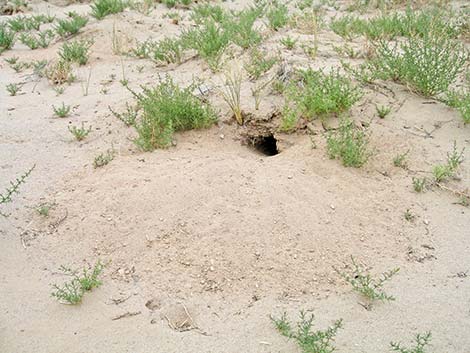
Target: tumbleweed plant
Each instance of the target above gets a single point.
(231, 93)
(365, 284)
(308, 340)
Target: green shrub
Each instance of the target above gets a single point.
(7, 38)
(348, 144)
(240, 26)
(204, 12)
(69, 27)
(277, 15)
(318, 94)
(102, 8)
(427, 66)
(76, 51)
(167, 50)
(460, 101)
(210, 41)
(168, 108)
(259, 63)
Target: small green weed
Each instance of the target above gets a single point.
(128, 117)
(460, 101)
(442, 172)
(44, 208)
(7, 38)
(400, 160)
(62, 111)
(349, 144)
(259, 64)
(308, 340)
(382, 111)
(72, 292)
(419, 184)
(103, 159)
(69, 27)
(289, 42)
(409, 216)
(76, 51)
(13, 88)
(277, 16)
(421, 341)
(102, 8)
(366, 285)
(241, 28)
(14, 188)
(167, 51)
(80, 133)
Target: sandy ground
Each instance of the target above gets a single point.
(215, 230)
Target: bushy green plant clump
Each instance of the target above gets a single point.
(259, 63)
(309, 341)
(7, 38)
(442, 172)
(349, 144)
(76, 51)
(172, 3)
(209, 40)
(167, 51)
(204, 12)
(428, 66)
(167, 108)
(102, 8)
(277, 15)
(391, 25)
(461, 102)
(72, 292)
(69, 27)
(241, 28)
(319, 94)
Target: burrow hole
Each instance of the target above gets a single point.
(266, 145)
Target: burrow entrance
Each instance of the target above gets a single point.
(266, 145)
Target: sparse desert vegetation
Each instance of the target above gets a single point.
(206, 165)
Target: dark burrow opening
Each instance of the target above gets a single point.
(266, 145)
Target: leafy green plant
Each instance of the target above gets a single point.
(205, 11)
(319, 94)
(103, 159)
(421, 341)
(7, 38)
(102, 8)
(76, 51)
(428, 66)
(259, 63)
(167, 108)
(72, 292)
(69, 27)
(442, 172)
(277, 16)
(128, 117)
(29, 40)
(419, 184)
(366, 285)
(349, 144)
(12, 61)
(308, 340)
(14, 188)
(13, 88)
(168, 50)
(241, 28)
(400, 160)
(288, 42)
(44, 208)
(209, 40)
(460, 101)
(62, 111)
(80, 133)
(383, 111)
